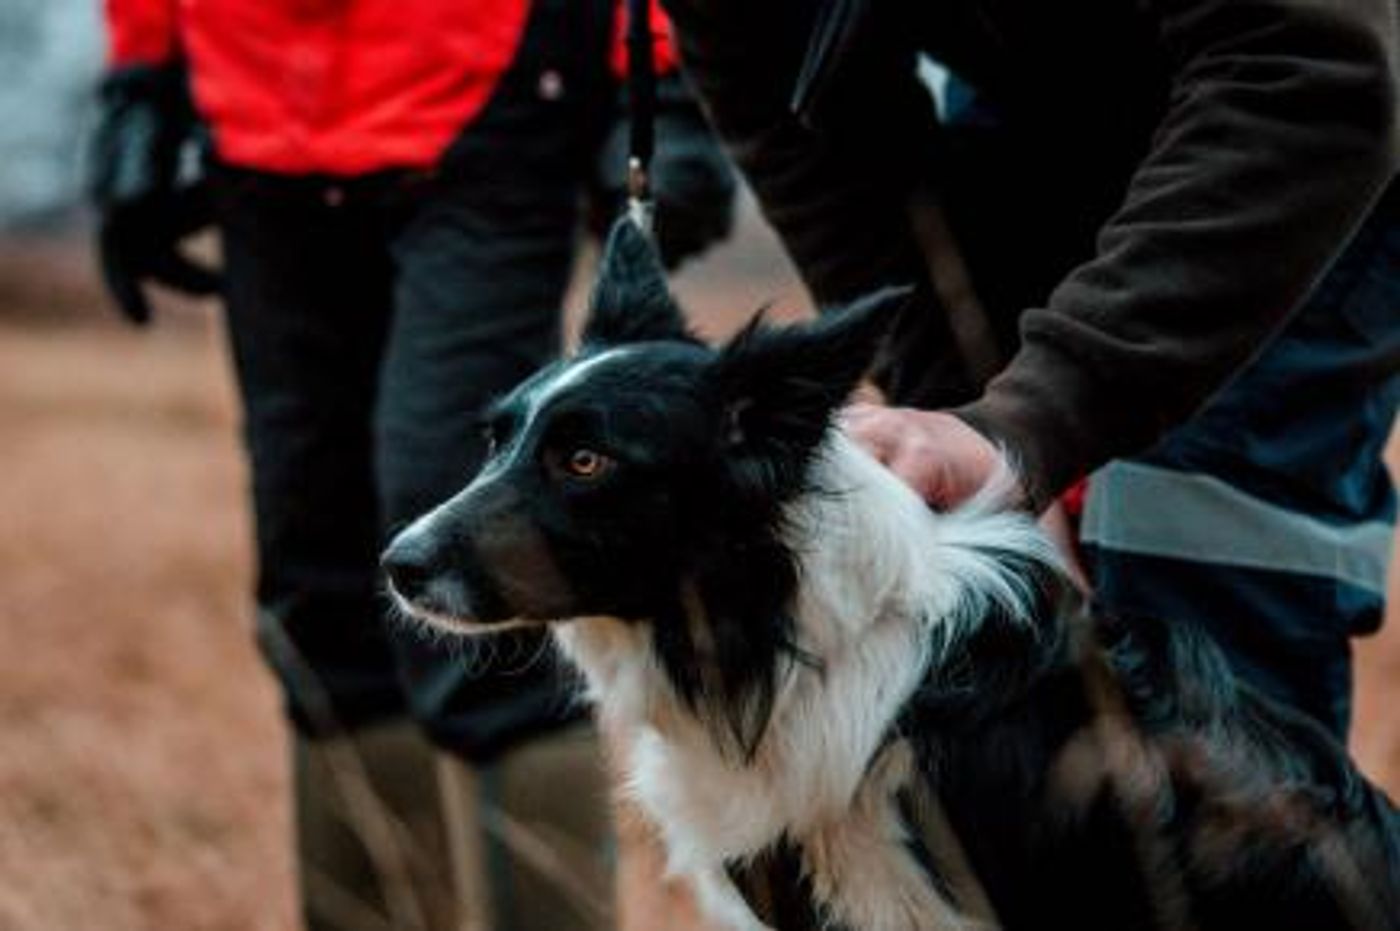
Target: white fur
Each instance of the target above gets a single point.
(571, 376)
(886, 586)
(574, 373)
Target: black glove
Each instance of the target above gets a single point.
(147, 121)
(692, 181)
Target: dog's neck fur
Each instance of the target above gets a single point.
(885, 589)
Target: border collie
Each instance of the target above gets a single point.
(790, 645)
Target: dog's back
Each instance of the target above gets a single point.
(1134, 784)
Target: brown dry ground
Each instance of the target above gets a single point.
(142, 765)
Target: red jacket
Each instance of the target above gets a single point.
(339, 87)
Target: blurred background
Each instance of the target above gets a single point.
(142, 755)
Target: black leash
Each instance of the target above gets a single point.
(641, 105)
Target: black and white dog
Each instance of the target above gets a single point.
(787, 642)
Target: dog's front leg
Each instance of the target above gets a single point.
(860, 866)
(721, 902)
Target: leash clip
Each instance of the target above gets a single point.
(640, 209)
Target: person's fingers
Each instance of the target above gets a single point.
(943, 459)
(181, 214)
(120, 276)
(889, 436)
(937, 472)
(863, 424)
(179, 272)
(188, 211)
(862, 410)
(915, 470)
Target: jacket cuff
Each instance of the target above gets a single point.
(1042, 411)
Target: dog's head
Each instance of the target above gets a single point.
(644, 477)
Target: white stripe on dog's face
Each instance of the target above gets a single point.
(571, 376)
(525, 537)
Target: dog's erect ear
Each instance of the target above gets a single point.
(630, 301)
(781, 385)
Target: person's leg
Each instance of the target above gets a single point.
(373, 845)
(482, 274)
(526, 854)
(308, 308)
(482, 261)
(1268, 518)
(481, 283)
(482, 255)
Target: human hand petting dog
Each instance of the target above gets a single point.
(938, 455)
(946, 462)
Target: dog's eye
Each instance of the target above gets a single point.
(586, 463)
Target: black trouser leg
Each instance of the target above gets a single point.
(481, 263)
(478, 296)
(367, 336)
(309, 301)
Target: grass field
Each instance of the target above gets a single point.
(142, 765)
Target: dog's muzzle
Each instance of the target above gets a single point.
(436, 579)
(409, 565)
(477, 560)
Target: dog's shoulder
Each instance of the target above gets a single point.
(1138, 742)
(1262, 808)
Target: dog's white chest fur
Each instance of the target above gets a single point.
(884, 587)
(806, 771)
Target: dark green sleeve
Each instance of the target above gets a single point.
(1279, 134)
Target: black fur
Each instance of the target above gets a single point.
(686, 534)
(1102, 774)
(780, 387)
(1129, 782)
(630, 302)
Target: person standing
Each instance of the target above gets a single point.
(1164, 235)
(397, 187)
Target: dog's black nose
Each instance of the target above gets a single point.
(408, 566)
